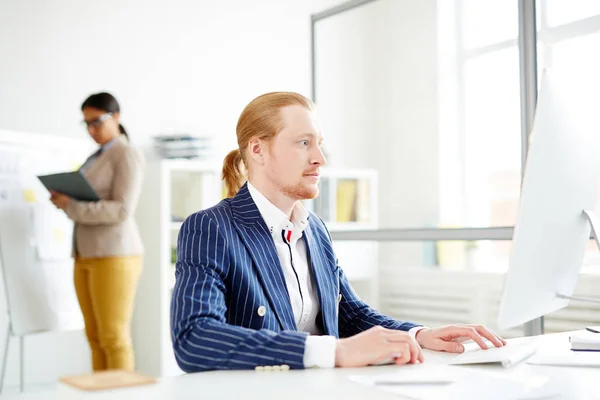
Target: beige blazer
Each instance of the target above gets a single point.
(107, 227)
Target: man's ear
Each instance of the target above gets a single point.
(256, 148)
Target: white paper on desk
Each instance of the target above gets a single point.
(566, 357)
(413, 374)
(466, 383)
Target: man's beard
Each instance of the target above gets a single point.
(300, 192)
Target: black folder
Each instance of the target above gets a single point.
(72, 184)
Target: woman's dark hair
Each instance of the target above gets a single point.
(105, 102)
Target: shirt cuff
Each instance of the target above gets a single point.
(319, 352)
(413, 331)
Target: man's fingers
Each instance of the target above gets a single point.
(499, 338)
(416, 353)
(405, 354)
(471, 333)
(483, 331)
(450, 347)
(402, 353)
(489, 335)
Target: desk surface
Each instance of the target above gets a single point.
(573, 382)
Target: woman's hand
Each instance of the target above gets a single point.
(60, 200)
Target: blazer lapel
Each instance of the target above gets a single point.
(103, 156)
(257, 238)
(326, 281)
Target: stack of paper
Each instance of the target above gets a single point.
(184, 146)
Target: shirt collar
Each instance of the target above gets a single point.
(276, 219)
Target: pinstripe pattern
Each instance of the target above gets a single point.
(227, 268)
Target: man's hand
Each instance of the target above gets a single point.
(376, 345)
(59, 200)
(449, 338)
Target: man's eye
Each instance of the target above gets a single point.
(304, 142)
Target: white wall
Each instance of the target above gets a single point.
(404, 97)
(377, 91)
(182, 64)
(343, 78)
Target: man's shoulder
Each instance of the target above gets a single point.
(218, 214)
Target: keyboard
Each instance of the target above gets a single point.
(508, 355)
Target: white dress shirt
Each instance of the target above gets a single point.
(291, 250)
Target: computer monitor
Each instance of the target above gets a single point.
(560, 182)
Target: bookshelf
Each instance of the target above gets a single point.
(172, 190)
(348, 201)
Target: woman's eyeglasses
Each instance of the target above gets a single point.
(96, 123)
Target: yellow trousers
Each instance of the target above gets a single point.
(106, 289)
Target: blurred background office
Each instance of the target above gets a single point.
(421, 106)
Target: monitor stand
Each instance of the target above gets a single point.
(593, 220)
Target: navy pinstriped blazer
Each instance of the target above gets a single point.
(227, 268)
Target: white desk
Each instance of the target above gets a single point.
(575, 382)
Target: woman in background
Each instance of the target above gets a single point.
(107, 246)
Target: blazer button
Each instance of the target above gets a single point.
(261, 311)
(339, 297)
